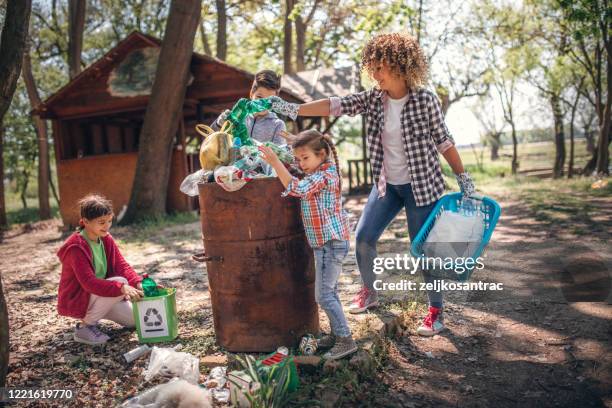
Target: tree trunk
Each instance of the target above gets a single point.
(555, 104)
(287, 41)
(164, 110)
(3, 220)
(24, 188)
(515, 163)
(300, 43)
(221, 30)
(76, 25)
(12, 43)
(570, 165)
(44, 210)
(444, 102)
(590, 139)
(603, 155)
(205, 43)
(4, 336)
(495, 139)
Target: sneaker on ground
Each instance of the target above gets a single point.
(364, 300)
(89, 335)
(343, 347)
(433, 323)
(326, 342)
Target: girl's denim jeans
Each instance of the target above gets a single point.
(376, 216)
(328, 265)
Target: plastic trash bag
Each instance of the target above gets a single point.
(176, 393)
(189, 185)
(230, 178)
(215, 149)
(216, 383)
(284, 152)
(253, 164)
(454, 235)
(170, 363)
(240, 111)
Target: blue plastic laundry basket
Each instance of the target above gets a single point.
(451, 202)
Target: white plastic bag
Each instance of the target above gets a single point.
(170, 363)
(174, 394)
(454, 235)
(189, 185)
(216, 383)
(230, 178)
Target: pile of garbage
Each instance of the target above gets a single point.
(229, 156)
(239, 387)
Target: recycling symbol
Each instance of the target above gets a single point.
(152, 317)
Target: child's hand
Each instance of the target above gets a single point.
(159, 285)
(268, 155)
(130, 293)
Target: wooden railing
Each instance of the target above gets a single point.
(359, 175)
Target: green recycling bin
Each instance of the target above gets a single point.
(155, 317)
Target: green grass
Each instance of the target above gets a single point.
(16, 214)
(142, 229)
(530, 155)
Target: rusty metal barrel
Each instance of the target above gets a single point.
(260, 267)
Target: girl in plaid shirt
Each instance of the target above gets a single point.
(326, 227)
(405, 132)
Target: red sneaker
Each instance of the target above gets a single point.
(364, 300)
(433, 323)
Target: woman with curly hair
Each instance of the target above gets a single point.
(405, 131)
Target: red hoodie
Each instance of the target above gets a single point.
(79, 280)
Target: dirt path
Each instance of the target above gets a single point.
(524, 346)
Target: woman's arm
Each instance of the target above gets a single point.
(315, 108)
(351, 105)
(454, 160)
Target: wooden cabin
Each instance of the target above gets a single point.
(97, 118)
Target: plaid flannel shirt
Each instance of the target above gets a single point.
(321, 200)
(424, 134)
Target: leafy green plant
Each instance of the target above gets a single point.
(271, 389)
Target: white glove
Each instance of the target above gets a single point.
(465, 184)
(284, 108)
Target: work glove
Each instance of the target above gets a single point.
(284, 108)
(465, 184)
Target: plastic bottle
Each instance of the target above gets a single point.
(235, 151)
(149, 287)
(137, 352)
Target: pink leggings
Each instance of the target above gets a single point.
(116, 309)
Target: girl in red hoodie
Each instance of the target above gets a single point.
(96, 282)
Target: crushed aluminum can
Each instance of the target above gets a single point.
(308, 345)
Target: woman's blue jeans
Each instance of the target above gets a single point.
(376, 216)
